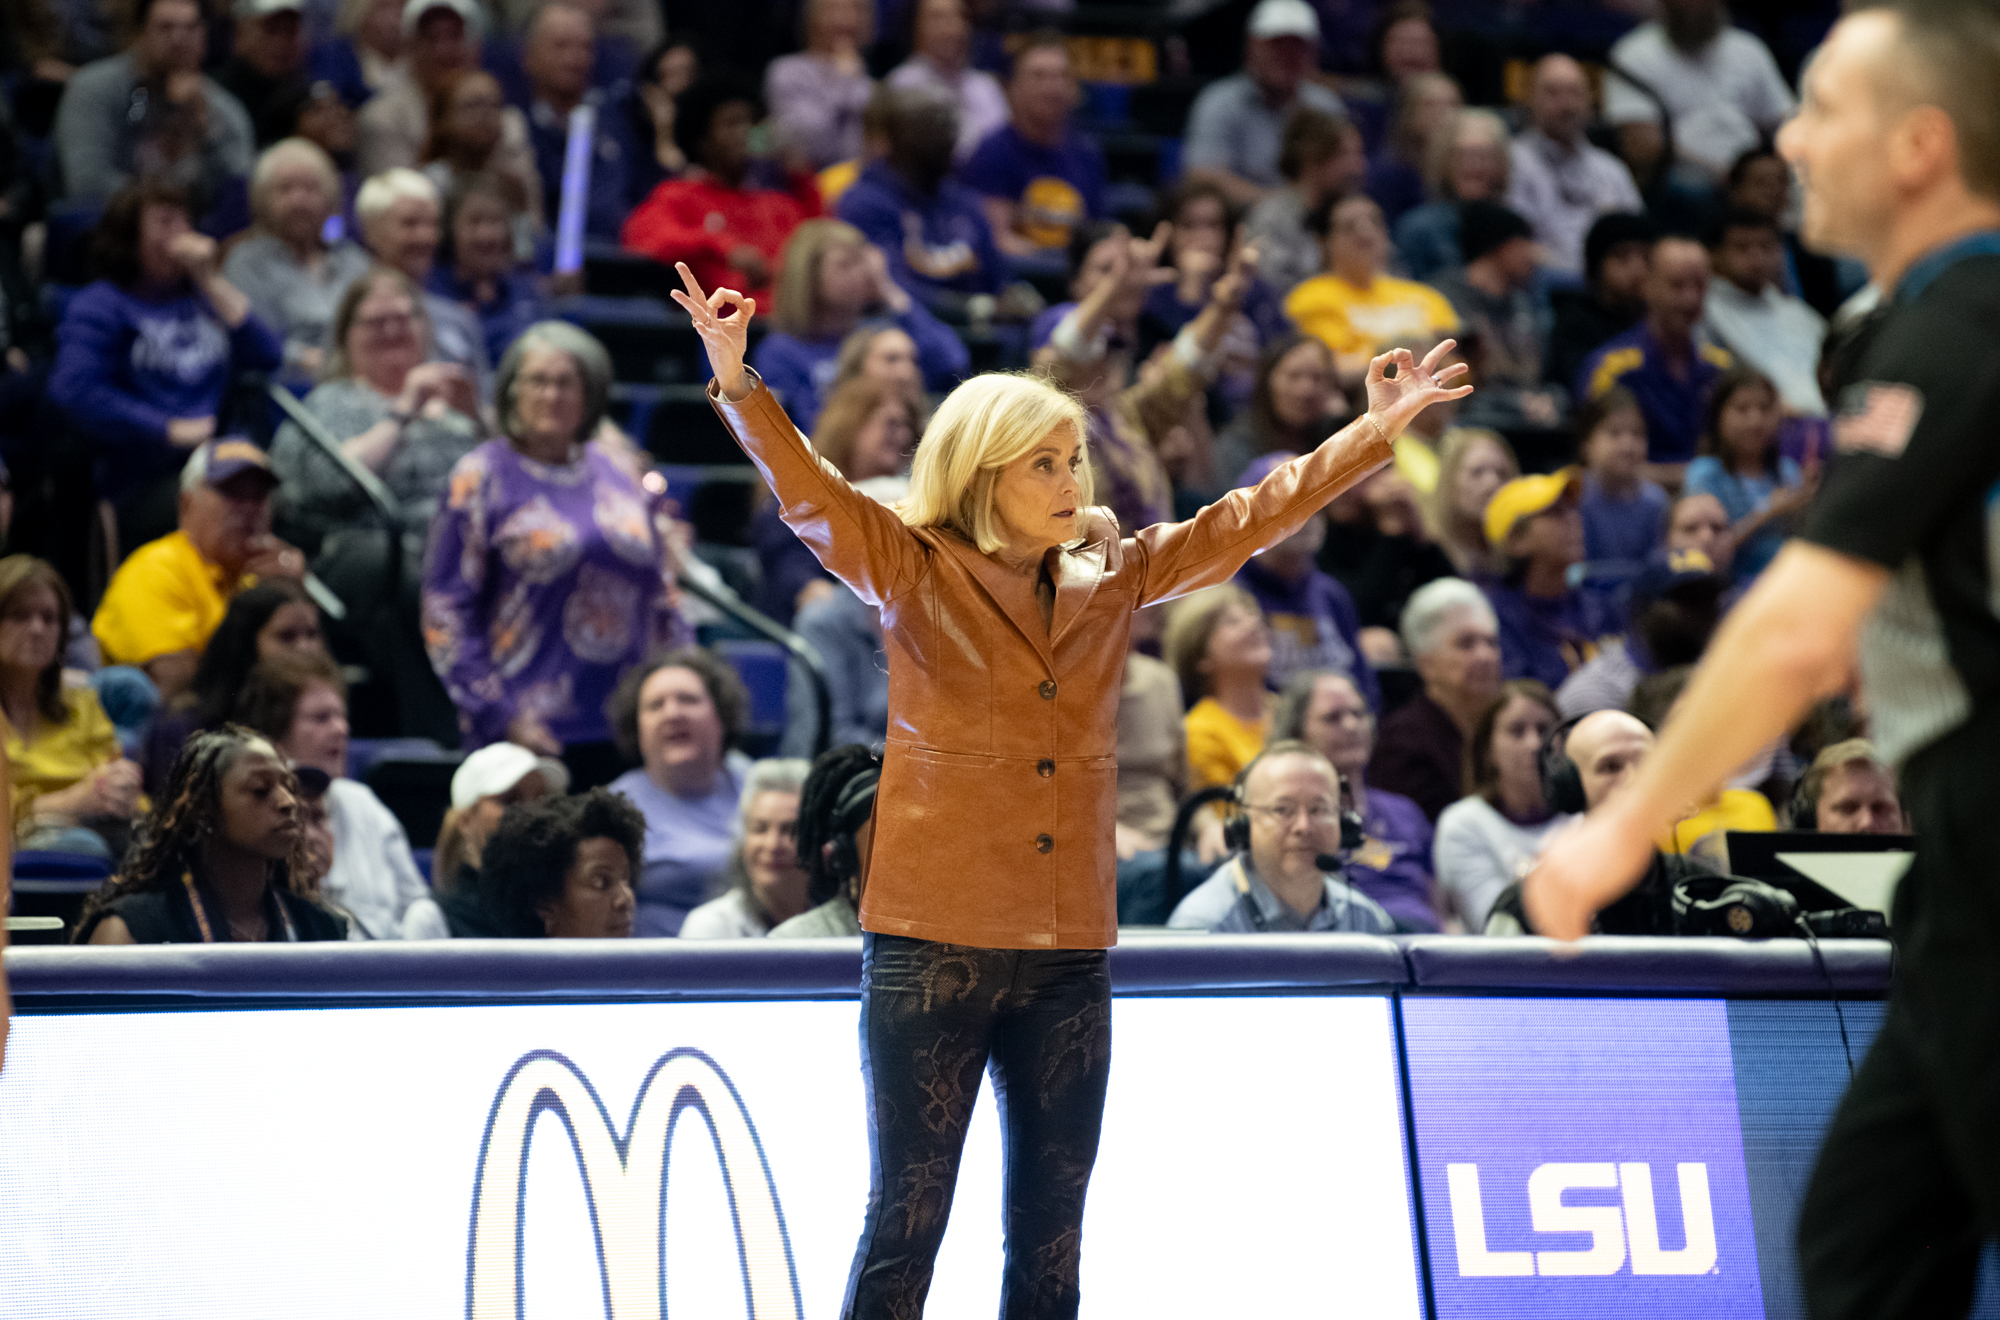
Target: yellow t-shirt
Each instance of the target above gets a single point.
(60, 754)
(1417, 463)
(1354, 321)
(164, 598)
(1737, 809)
(1218, 744)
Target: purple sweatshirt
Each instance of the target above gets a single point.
(541, 586)
(126, 366)
(935, 245)
(800, 371)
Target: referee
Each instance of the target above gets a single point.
(1898, 146)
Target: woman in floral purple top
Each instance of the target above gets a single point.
(545, 578)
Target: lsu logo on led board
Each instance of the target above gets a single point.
(625, 1180)
(1631, 1228)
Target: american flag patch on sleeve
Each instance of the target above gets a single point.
(1878, 419)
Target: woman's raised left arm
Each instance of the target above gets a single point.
(1210, 547)
(858, 540)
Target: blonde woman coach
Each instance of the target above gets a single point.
(1006, 600)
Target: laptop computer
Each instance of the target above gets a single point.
(1825, 871)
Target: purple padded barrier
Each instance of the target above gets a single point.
(1166, 963)
(637, 969)
(1628, 965)
(476, 970)
(441, 970)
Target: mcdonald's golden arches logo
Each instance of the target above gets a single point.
(625, 1181)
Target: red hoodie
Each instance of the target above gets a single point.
(700, 220)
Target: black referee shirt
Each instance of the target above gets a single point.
(1914, 486)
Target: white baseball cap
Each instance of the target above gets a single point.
(1284, 18)
(497, 767)
(266, 8)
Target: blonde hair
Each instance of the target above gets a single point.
(798, 278)
(983, 425)
(292, 150)
(1463, 541)
(1189, 628)
(1471, 124)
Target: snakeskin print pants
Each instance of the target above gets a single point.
(933, 1017)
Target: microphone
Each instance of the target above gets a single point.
(1327, 862)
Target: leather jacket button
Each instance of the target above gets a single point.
(1047, 689)
(1043, 843)
(1045, 768)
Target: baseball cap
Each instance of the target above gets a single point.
(1485, 227)
(1524, 497)
(1284, 18)
(1678, 571)
(266, 8)
(1264, 465)
(497, 767)
(469, 10)
(216, 462)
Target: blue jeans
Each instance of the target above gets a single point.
(933, 1018)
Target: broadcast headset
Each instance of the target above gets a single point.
(1704, 905)
(1236, 830)
(851, 810)
(1562, 782)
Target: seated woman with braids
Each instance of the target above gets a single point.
(563, 868)
(223, 856)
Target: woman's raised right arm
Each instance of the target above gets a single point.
(858, 539)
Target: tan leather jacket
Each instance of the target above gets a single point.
(998, 803)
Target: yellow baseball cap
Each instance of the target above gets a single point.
(1524, 497)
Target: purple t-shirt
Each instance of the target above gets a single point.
(936, 245)
(688, 843)
(1622, 531)
(1393, 863)
(1058, 188)
(542, 585)
(1546, 637)
(1313, 626)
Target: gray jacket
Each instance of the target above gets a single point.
(297, 303)
(98, 145)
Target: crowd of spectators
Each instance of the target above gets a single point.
(442, 534)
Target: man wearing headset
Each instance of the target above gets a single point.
(1585, 762)
(1286, 837)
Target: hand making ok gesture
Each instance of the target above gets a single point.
(724, 332)
(1394, 401)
